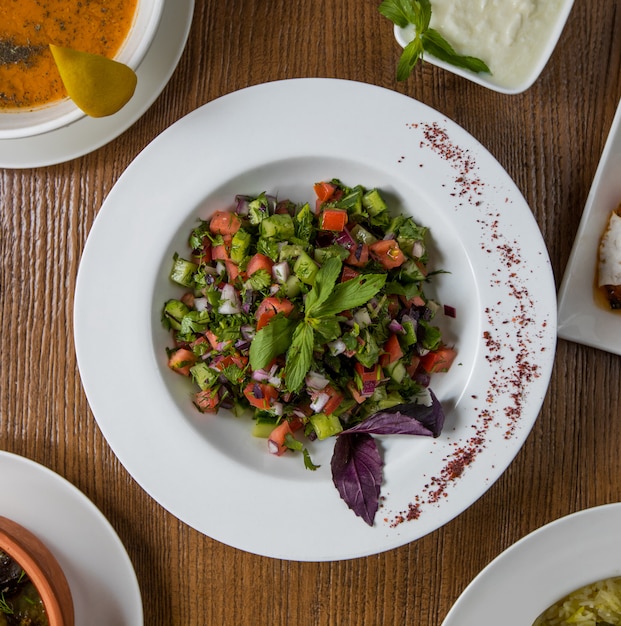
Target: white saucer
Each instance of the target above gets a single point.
(100, 574)
(87, 134)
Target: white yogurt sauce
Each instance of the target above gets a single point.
(610, 253)
(509, 35)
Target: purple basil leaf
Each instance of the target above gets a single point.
(391, 422)
(410, 418)
(357, 473)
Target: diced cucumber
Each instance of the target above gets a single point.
(409, 338)
(279, 227)
(373, 202)
(174, 311)
(263, 429)
(326, 425)
(362, 235)
(240, 245)
(292, 286)
(182, 271)
(305, 269)
(290, 251)
(411, 271)
(396, 371)
(323, 254)
(203, 375)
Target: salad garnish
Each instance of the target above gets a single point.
(313, 320)
(417, 13)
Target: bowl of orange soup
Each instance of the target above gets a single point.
(33, 99)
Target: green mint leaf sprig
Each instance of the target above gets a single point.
(418, 13)
(272, 340)
(320, 323)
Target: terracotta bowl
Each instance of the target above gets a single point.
(42, 568)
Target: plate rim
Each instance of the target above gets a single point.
(101, 529)
(542, 583)
(86, 134)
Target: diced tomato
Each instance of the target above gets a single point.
(324, 191)
(207, 401)
(359, 255)
(220, 253)
(181, 360)
(232, 270)
(374, 374)
(357, 396)
(393, 306)
(269, 307)
(412, 368)
(348, 273)
(413, 301)
(333, 219)
(217, 345)
(336, 399)
(276, 440)
(235, 358)
(224, 223)
(438, 361)
(388, 253)
(188, 299)
(259, 262)
(392, 351)
(204, 254)
(260, 395)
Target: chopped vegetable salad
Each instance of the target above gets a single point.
(314, 319)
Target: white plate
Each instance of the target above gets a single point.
(542, 568)
(282, 137)
(99, 572)
(580, 319)
(87, 134)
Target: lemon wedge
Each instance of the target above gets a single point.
(98, 85)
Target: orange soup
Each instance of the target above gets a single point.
(28, 74)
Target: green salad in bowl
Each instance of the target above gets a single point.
(314, 320)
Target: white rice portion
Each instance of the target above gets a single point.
(597, 604)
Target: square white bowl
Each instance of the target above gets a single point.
(510, 26)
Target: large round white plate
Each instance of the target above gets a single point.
(282, 137)
(99, 572)
(87, 134)
(543, 567)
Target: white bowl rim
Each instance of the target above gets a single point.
(36, 121)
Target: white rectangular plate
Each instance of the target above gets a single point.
(580, 318)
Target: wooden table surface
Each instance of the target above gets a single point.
(549, 139)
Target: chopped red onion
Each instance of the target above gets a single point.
(337, 347)
(280, 272)
(257, 392)
(395, 327)
(316, 381)
(248, 332)
(368, 387)
(418, 249)
(260, 375)
(229, 304)
(200, 304)
(272, 447)
(345, 239)
(450, 311)
(319, 402)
